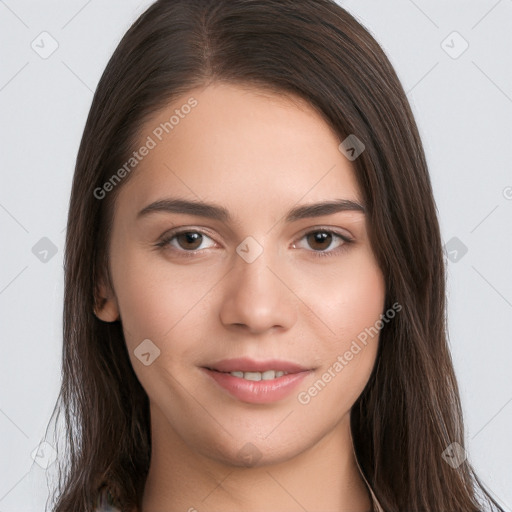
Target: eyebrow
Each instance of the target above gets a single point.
(212, 211)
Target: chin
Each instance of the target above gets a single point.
(256, 453)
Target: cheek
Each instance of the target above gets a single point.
(353, 302)
(154, 299)
(362, 300)
(348, 297)
(160, 304)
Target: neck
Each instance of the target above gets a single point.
(322, 478)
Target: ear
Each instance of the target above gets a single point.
(106, 307)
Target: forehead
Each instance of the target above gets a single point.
(242, 147)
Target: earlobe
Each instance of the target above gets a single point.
(106, 308)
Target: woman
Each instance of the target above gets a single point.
(254, 308)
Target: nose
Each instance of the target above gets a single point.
(258, 296)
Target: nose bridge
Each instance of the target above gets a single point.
(257, 298)
(252, 266)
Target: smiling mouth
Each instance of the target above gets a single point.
(257, 380)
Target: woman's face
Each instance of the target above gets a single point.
(259, 281)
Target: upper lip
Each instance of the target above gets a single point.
(245, 364)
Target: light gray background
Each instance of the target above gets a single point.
(463, 107)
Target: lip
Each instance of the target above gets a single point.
(256, 392)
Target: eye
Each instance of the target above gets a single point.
(185, 240)
(325, 242)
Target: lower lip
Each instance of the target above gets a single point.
(260, 391)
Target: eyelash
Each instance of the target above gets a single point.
(165, 241)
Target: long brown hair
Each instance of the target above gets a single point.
(409, 411)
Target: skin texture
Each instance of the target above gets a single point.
(257, 155)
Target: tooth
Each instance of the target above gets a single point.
(257, 376)
(252, 375)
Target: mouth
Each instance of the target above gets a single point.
(256, 381)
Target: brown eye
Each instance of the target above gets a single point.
(186, 241)
(189, 240)
(324, 242)
(319, 240)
